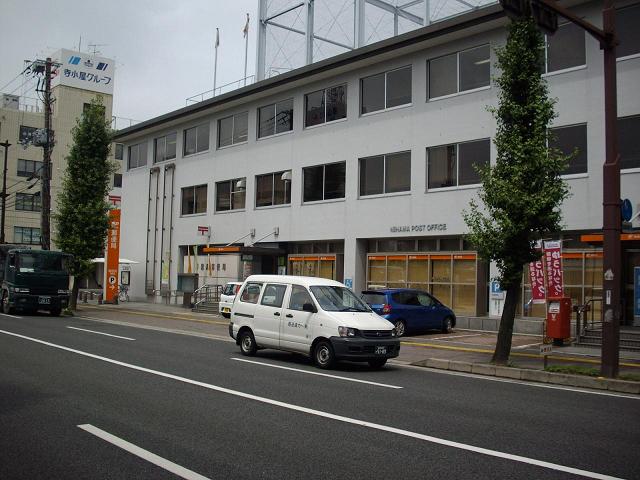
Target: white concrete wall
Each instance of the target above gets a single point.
(424, 123)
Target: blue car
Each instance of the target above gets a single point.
(410, 310)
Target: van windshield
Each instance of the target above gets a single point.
(338, 299)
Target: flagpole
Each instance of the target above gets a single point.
(215, 63)
(246, 49)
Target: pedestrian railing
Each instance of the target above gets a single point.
(208, 293)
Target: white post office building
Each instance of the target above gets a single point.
(358, 167)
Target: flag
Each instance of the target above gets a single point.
(217, 38)
(245, 30)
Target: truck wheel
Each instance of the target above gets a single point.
(323, 355)
(247, 343)
(55, 312)
(6, 308)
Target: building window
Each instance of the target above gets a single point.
(29, 168)
(454, 165)
(385, 174)
(231, 194)
(233, 129)
(627, 21)
(194, 200)
(117, 180)
(272, 189)
(26, 134)
(26, 235)
(323, 182)
(459, 72)
(164, 148)
(628, 145)
(119, 151)
(568, 140)
(196, 139)
(385, 90)
(28, 202)
(325, 105)
(275, 118)
(137, 155)
(565, 49)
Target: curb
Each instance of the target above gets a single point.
(581, 381)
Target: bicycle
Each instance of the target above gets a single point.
(123, 293)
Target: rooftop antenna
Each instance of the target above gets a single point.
(95, 46)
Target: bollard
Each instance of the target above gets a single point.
(100, 299)
(84, 297)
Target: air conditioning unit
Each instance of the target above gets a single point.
(10, 101)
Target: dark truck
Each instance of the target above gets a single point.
(33, 280)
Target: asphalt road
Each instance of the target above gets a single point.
(141, 403)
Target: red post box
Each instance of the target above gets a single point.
(559, 319)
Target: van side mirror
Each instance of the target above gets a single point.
(308, 307)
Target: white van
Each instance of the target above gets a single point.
(227, 296)
(314, 316)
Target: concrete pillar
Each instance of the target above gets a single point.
(355, 263)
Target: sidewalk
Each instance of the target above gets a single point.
(463, 350)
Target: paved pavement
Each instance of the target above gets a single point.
(464, 346)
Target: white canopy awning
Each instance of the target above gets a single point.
(122, 261)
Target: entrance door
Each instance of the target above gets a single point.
(268, 315)
(296, 327)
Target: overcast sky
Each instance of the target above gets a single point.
(163, 49)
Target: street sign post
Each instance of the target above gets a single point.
(545, 350)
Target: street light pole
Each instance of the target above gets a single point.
(6, 146)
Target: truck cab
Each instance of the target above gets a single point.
(34, 280)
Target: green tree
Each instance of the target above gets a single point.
(82, 214)
(522, 193)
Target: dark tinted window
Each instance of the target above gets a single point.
(313, 183)
(475, 68)
(119, 151)
(399, 87)
(299, 296)
(225, 131)
(374, 298)
(372, 93)
(442, 166)
(470, 155)
(196, 139)
(627, 22)
(230, 194)
(275, 118)
(284, 116)
(194, 200)
(334, 179)
(566, 48)
(271, 189)
(117, 180)
(324, 182)
(443, 76)
(628, 144)
(397, 172)
(273, 295)
(372, 175)
(568, 140)
(251, 293)
(314, 108)
(336, 99)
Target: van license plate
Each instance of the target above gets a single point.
(381, 350)
(44, 300)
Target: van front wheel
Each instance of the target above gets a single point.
(247, 343)
(323, 355)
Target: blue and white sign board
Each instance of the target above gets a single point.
(81, 70)
(348, 282)
(636, 296)
(496, 292)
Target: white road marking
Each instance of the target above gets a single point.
(315, 373)
(142, 453)
(513, 380)
(339, 418)
(522, 347)
(101, 333)
(12, 316)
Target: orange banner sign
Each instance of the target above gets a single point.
(112, 256)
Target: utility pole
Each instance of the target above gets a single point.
(545, 12)
(6, 146)
(45, 219)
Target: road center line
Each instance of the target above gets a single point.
(338, 377)
(101, 333)
(142, 453)
(339, 418)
